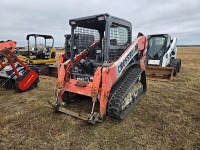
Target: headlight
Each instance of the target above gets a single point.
(101, 18)
(72, 22)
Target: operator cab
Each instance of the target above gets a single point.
(106, 36)
(103, 36)
(158, 45)
(40, 51)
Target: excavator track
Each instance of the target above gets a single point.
(133, 78)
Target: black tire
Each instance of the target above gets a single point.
(175, 72)
(179, 65)
(174, 64)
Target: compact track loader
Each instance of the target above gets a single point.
(105, 65)
(161, 57)
(13, 72)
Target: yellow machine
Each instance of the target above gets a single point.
(38, 55)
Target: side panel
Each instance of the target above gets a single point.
(137, 47)
(167, 57)
(112, 74)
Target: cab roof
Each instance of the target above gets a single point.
(94, 22)
(39, 35)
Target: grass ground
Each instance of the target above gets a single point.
(167, 118)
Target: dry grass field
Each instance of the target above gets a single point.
(167, 118)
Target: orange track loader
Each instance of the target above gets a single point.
(105, 65)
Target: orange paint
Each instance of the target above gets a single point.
(103, 79)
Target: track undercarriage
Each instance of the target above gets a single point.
(126, 93)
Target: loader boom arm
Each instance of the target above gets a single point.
(138, 46)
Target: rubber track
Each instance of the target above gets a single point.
(174, 64)
(120, 90)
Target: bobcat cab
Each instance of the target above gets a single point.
(162, 63)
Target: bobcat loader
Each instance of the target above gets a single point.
(105, 65)
(161, 61)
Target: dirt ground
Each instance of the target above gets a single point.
(167, 118)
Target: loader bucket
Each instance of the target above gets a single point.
(159, 73)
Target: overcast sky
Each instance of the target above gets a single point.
(180, 18)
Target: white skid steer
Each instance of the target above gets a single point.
(161, 62)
